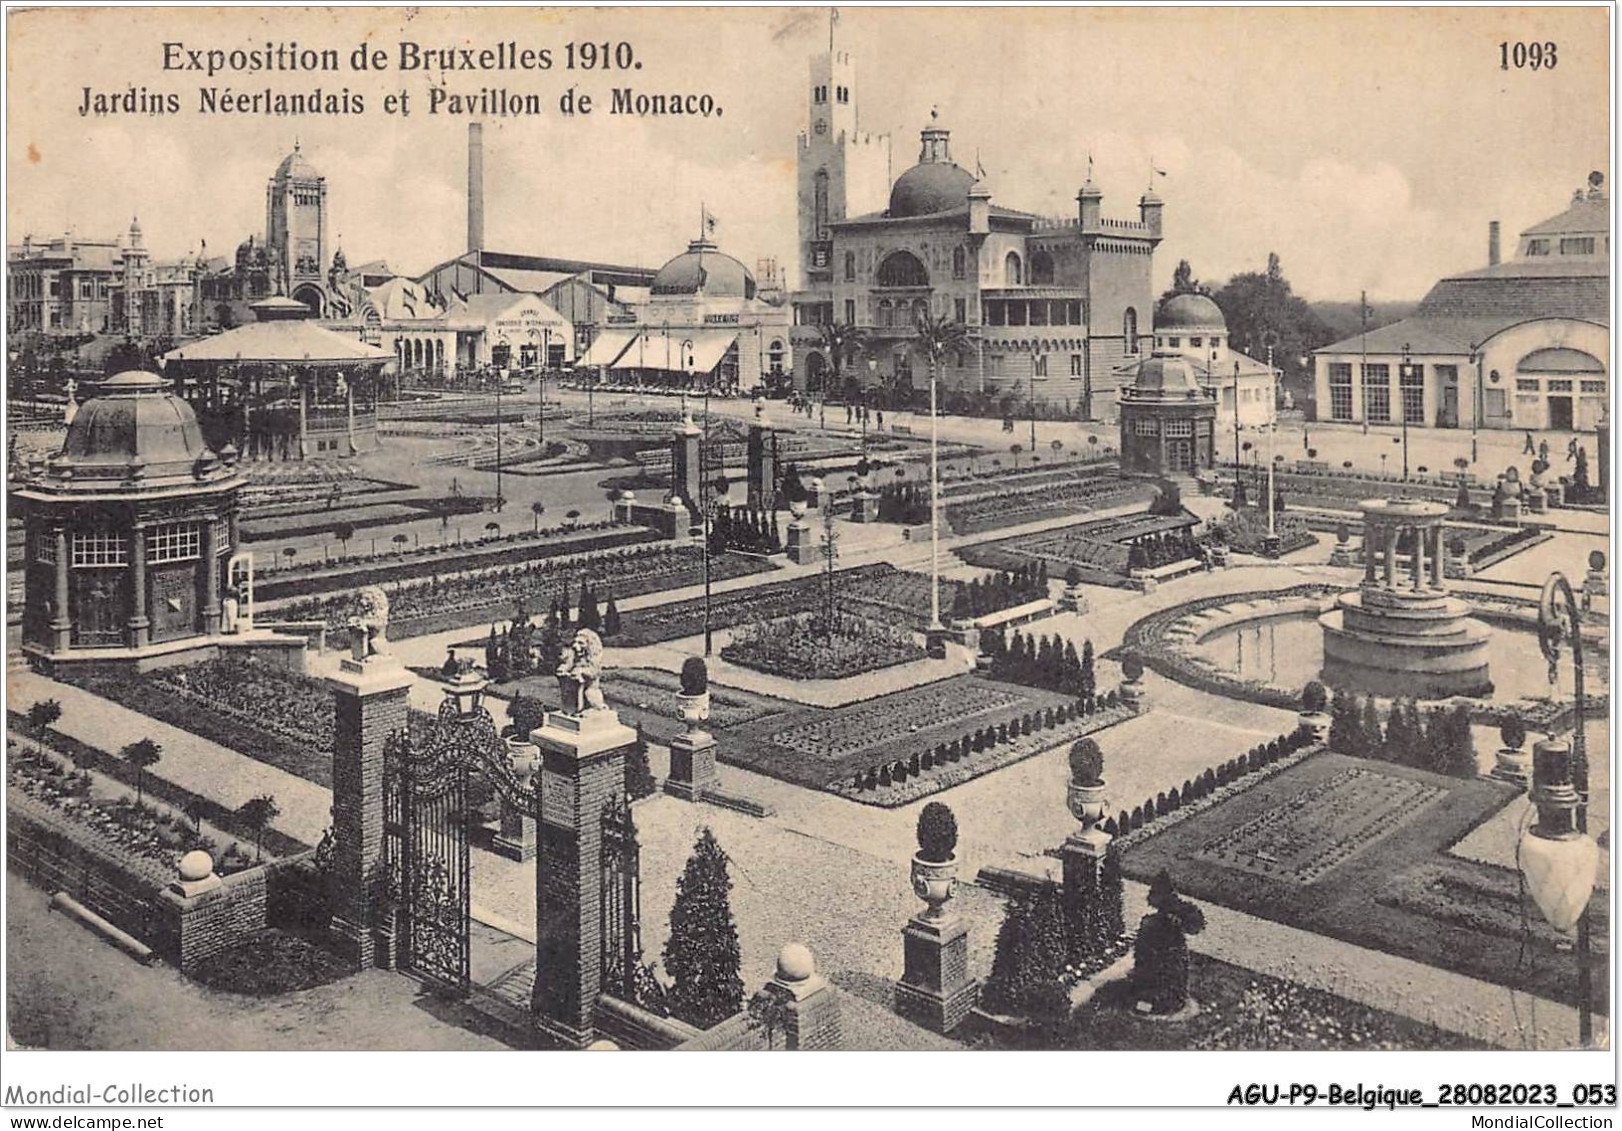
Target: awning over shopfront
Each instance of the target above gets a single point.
(607, 347)
(677, 351)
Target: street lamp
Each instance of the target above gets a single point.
(1404, 371)
(1557, 856)
(873, 376)
(501, 380)
(1476, 358)
(714, 497)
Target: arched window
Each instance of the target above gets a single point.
(1041, 269)
(886, 313)
(774, 356)
(1013, 270)
(920, 310)
(902, 269)
(1129, 329)
(960, 263)
(819, 204)
(850, 267)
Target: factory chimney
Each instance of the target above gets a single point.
(1492, 244)
(475, 187)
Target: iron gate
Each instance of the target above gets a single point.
(425, 851)
(621, 900)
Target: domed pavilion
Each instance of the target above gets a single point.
(131, 531)
(1168, 419)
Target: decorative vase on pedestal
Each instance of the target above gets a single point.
(692, 753)
(1315, 723)
(934, 882)
(1087, 802)
(1133, 692)
(516, 838)
(1513, 764)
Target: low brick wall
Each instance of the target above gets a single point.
(134, 893)
(632, 1027)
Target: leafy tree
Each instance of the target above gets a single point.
(43, 713)
(257, 813)
(143, 755)
(1258, 305)
(344, 531)
(195, 808)
(702, 954)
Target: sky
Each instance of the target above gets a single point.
(1368, 147)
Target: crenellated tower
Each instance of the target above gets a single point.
(842, 171)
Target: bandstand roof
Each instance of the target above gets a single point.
(287, 342)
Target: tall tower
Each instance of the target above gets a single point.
(842, 172)
(135, 278)
(475, 187)
(296, 226)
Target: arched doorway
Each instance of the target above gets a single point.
(816, 372)
(903, 269)
(310, 295)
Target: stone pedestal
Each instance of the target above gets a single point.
(762, 473)
(692, 765)
(1272, 545)
(1082, 859)
(1134, 693)
(1537, 502)
(582, 769)
(864, 506)
(802, 543)
(1511, 511)
(935, 989)
(805, 1004)
(935, 638)
(1513, 766)
(370, 700)
(1340, 556)
(516, 839)
(684, 463)
(1074, 599)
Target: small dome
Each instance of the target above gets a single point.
(1189, 311)
(1165, 372)
(704, 270)
(934, 186)
(795, 963)
(295, 164)
(135, 425)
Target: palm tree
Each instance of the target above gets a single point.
(344, 531)
(537, 509)
(1016, 449)
(843, 341)
(937, 337)
(143, 755)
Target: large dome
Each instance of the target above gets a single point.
(933, 186)
(295, 164)
(137, 428)
(704, 270)
(1190, 311)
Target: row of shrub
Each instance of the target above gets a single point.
(1048, 662)
(1256, 758)
(986, 737)
(1000, 591)
(1439, 741)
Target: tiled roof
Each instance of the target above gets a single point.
(1516, 298)
(1589, 216)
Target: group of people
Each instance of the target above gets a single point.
(861, 414)
(1540, 449)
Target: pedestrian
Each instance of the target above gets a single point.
(1543, 450)
(1571, 450)
(847, 414)
(881, 420)
(1531, 448)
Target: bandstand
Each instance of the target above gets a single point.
(1400, 633)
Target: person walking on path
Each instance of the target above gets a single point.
(1543, 450)
(1531, 449)
(1571, 450)
(881, 420)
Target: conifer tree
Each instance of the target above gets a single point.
(1089, 676)
(612, 624)
(702, 955)
(1371, 739)
(639, 781)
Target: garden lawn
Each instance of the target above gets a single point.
(1385, 886)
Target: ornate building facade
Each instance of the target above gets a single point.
(1054, 306)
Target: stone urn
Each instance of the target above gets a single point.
(797, 508)
(1512, 764)
(693, 710)
(1315, 723)
(1086, 802)
(524, 759)
(934, 882)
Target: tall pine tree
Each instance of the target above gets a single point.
(702, 955)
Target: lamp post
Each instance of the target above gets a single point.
(501, 380)
(873, 375)
(1403, 372)
(1475, 397)
(934, 638)
(1236, 460)
(713, 498)
(1556, 855)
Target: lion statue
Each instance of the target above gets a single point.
(368, 627)
(580, 673)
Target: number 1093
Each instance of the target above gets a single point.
(1527, 56)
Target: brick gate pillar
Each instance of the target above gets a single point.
(582, 767)
(371, 697)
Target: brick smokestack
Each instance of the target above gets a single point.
(475, 186)
(1492, 244)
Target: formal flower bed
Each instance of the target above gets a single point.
(1245, 530)
(146, 832)
(436, 603)
(1087, 492)
(1482, 899)
(983, 750)
(807, 646)
(256, 709)
(1101, 551)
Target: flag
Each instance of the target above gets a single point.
(1159, 172)
(709, 220)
